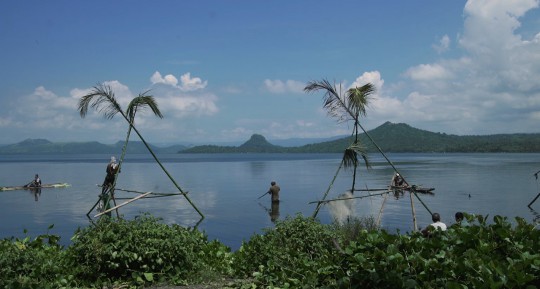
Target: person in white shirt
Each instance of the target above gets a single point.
(436, 225)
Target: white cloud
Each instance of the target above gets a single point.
(373, 77)
(187, 83)
(288, 86)
(174, 100)
(426, 72)
(443, 45)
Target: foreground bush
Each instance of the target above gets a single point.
(482, 255)
(31, 263)
(144, 251)
(298, 253)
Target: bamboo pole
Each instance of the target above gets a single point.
(349, 198)
(162, 194)
(328, 190)
(165, 170)
(392, 164)
(123, 204)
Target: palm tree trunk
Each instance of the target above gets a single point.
(356, 159)
(124, 150)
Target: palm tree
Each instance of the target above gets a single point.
(102, 99)
(348, 106)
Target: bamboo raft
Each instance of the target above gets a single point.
(17, 188)
(395, 186)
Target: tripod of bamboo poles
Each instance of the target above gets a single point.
(352, 105)
(103, 94)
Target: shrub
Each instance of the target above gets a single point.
(31, 263)
(144, 251)
(478, 256)
(298, 252)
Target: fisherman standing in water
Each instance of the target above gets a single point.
(274, 191)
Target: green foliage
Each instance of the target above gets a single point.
(478, 256)
(144, 251)
(299, 252)
(296, 253)
(31, 263)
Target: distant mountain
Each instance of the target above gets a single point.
(295, 142)
(42, 146)
(400, 137)
(390, 137)
(256, 144)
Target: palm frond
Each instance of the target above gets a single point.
(102, 99)
(333, 102)
(141, 102)
(358, 98)
(350, 156)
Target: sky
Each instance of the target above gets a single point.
(221, 71)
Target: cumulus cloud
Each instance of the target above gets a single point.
(490, 81)
(288, 86)
(373, 77)
(187, 83)
(186, 99)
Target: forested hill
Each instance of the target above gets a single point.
(256, 144)
(391, 137)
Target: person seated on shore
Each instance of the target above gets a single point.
(436, 225)
(460, 220)
(36, 182)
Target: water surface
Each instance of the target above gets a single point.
(226, 187)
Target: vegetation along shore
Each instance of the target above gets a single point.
(299, 252)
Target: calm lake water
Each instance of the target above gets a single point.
(226, 187)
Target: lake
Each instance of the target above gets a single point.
(226, 188)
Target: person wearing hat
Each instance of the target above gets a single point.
(112, 169)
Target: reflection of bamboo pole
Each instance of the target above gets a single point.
(413, 212)
(123, 204)
(99, 200)
(383, 202)
(529, 205)
(380, 211)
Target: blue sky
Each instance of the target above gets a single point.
(223, 70)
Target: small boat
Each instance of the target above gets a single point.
(16, 188)
(398, 183)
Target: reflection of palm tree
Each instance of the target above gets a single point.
(102, 98)
(346, 106)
